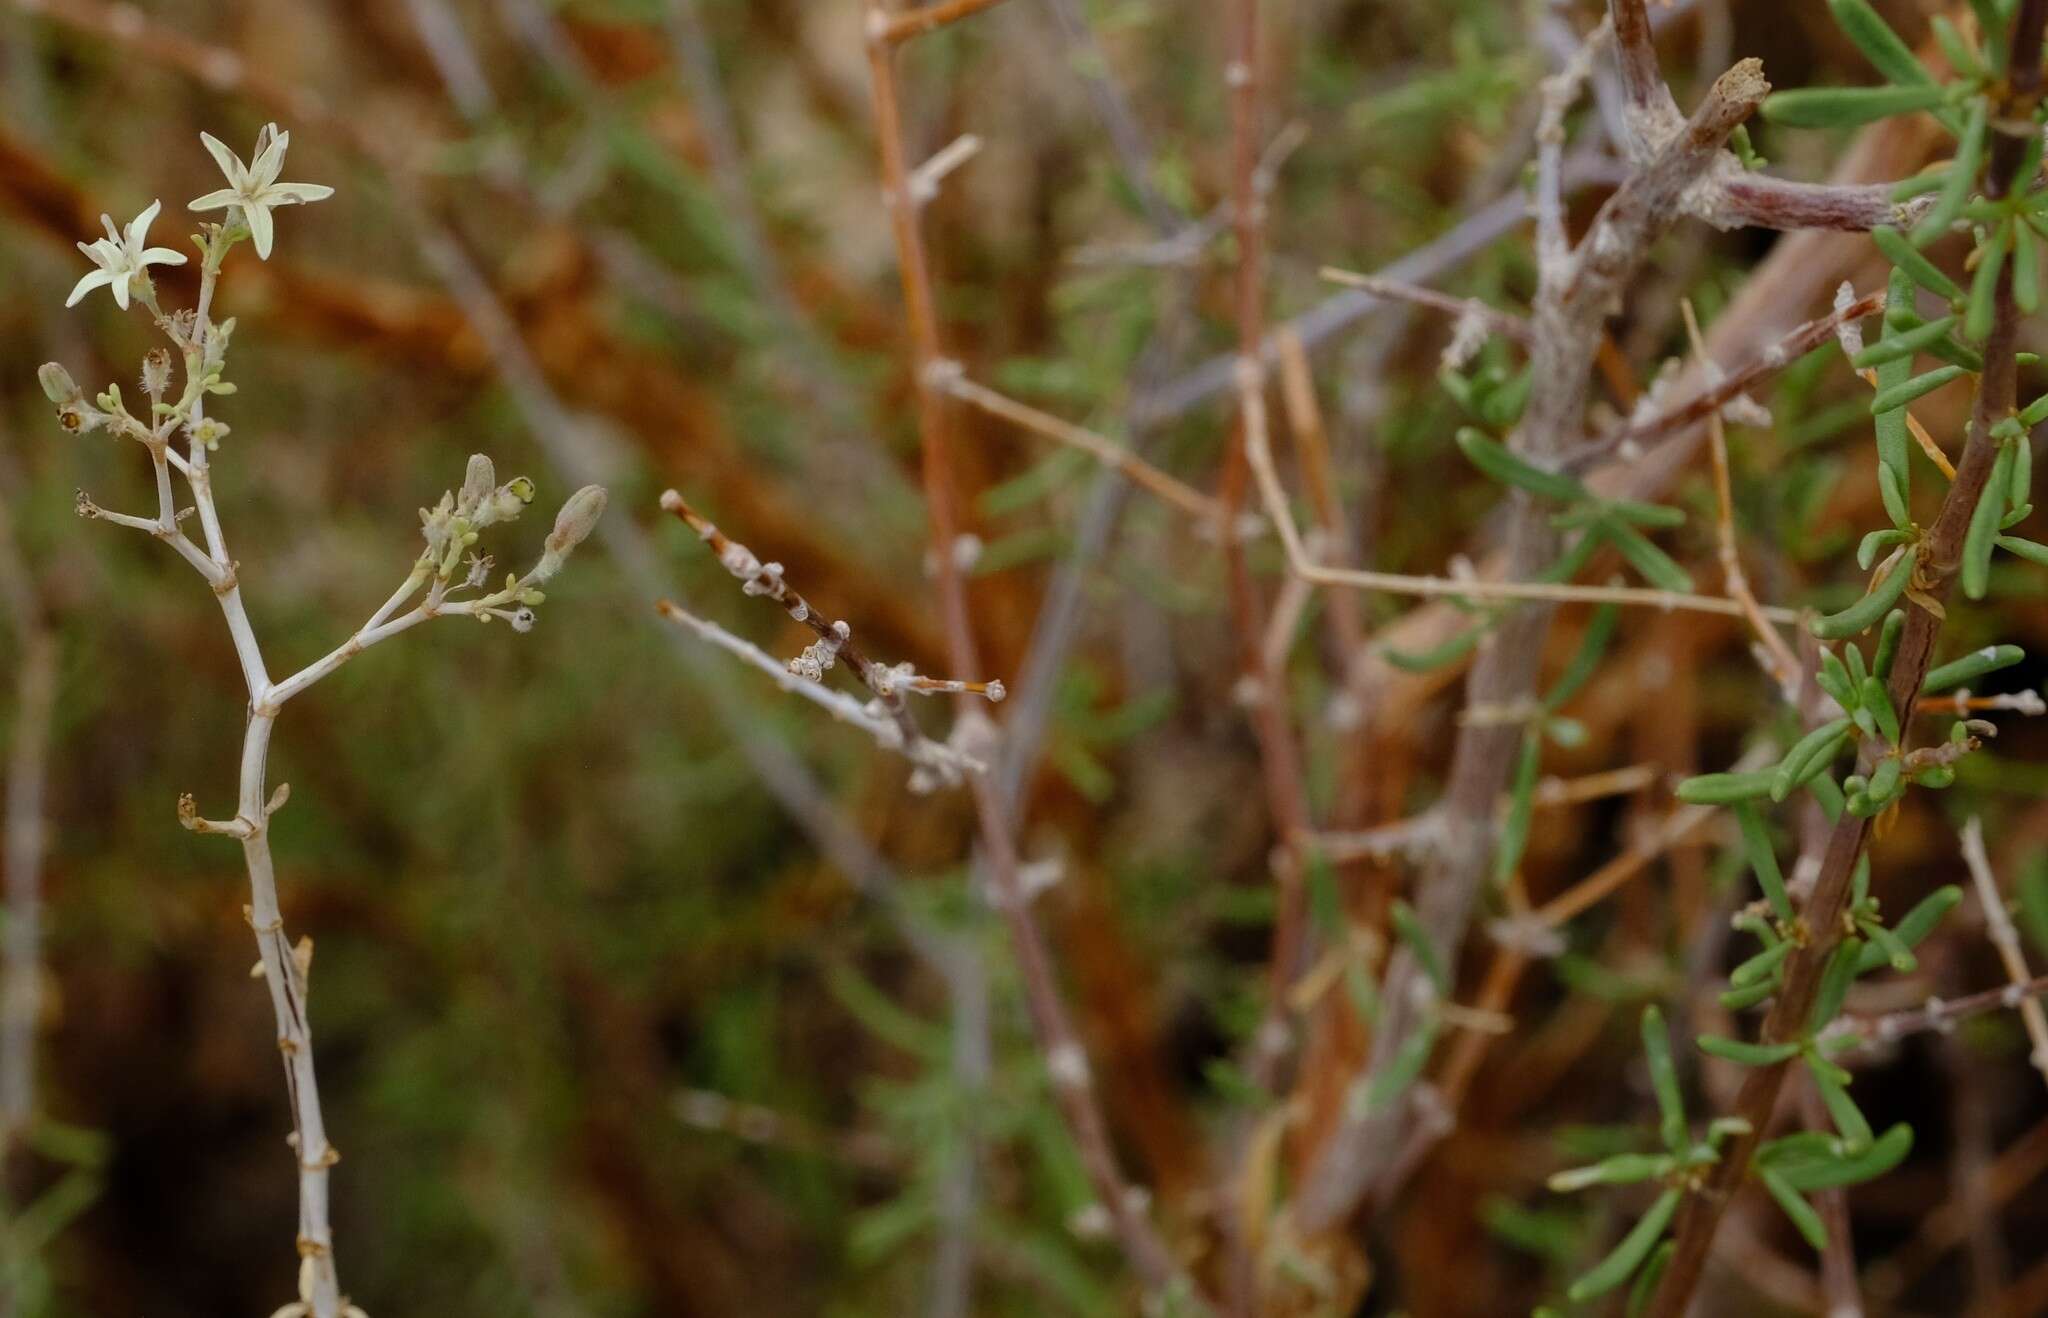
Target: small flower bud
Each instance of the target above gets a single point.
(478, 482)
(156, 372)
(58, 386)
(577, 519)
(573, 526)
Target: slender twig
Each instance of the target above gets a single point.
(1998, 926)
(1941, 1014)
(890, 720)
(1478, 588)
(1103, 449)
(1719, 391)
(1783, 665)
(1261, 682)
(894, 29)
(1461, 308)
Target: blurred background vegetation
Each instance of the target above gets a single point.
(600, 1031)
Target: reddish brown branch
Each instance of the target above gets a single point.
(898, 28)
(1262, 684)
(1072, 1082)
(1939, 556)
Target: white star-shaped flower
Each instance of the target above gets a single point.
(121, 257)
(253, 188)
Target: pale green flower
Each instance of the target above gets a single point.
(253, 188)
(122, 258)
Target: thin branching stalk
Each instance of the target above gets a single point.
(180, 439)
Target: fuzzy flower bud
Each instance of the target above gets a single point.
(58, 386)
(573, 526)
(156, 372)
(477, 483)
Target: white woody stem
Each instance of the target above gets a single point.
(283, 974)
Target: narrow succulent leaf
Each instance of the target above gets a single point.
(1497, 462)
(1586, 659)
(1841, 970)
(1658, 515)
(1962, 173)
(1888, 643)
(2021, 489)
(1896, 952)
(1829, 1168)
(1842, 1110)
(1408, 928)
(2026, 269)
(1901, 395)
(1401, 1071)
(1866, 611)
(1621, 1169)
(1829, 793)
(1983, 535)
(1879, 703)
(1747, 1054)
(1618, 1266)
(1834, 679)
(1810, 754)
(1984, 284)
(1893, 497)
(1894, 431)
(1514, 832)
(1901, 253)
(1645, 1288)
(1913, 927)
(1903, 343)
(1971, 666)
(2030, 550)
(1919, 185)
(1795, 1206)
(1761, 968)
(1656, 566)
(1737, 999)
(1879, 44)
(1846, 107)
(1756, 848)
(1723, 788)
(1879, 540)
(1451, 650)
(1960, 53)
(1663, 1078)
